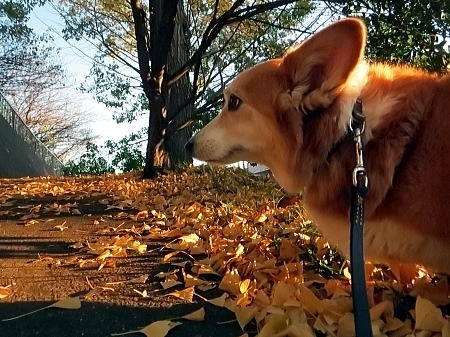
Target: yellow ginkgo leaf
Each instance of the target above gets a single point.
(167, 257)
(231, 282)
(384, 307)
(245, 314)
(282, 291)
(169, 284)
(107, 253)
(192, 281)
(156, 329)
(159, 329)
(310, 301)
(244, 285)
(185, 294)
(219, 301)
(140, 215)
(197, 315)
(65, 303)
(5, 291)
(204, 270)
(274, 324)
(206, 286)
(297, 330)
(428, 316)
(346, 326)
(288, 250)
(190, 238)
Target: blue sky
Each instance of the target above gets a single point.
(76, 58)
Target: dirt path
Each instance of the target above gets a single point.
(41, 263)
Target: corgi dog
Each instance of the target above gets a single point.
(292, 115)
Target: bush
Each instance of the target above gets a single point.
(90, 163)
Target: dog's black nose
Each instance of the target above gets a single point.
(189, 146)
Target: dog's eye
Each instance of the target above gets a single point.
(234, 102)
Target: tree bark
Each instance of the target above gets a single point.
(177, 110)
(154, 49)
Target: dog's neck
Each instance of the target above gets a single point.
(388, 94)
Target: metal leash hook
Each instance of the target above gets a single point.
(363, 326)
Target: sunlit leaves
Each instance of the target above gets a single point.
(222, 229)
(5, 291)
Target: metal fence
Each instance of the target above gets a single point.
(41, 151)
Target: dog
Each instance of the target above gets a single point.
(292, 115)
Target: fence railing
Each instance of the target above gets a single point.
(41, 151)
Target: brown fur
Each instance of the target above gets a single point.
(293, 118)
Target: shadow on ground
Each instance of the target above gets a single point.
(99, 319)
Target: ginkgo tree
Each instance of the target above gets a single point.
(173, 58)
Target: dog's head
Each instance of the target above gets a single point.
(266, 107)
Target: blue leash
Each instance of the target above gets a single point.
(363, 326)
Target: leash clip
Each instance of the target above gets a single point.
(357, 126)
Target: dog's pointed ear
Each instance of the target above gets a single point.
(318, 69)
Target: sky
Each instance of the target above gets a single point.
(76, 58)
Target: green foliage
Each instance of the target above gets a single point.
(14, 16)
(415, 32)
(116, 81)
(90, 163)
(127, 153)
(24, 56)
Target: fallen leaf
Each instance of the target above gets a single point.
(309, 300)
(192, 281)
(142, 215)
(77, 245)
(65, 303)
(142, 293)
(31, 222)
(346, 326)
(170, 283)
(168, 256)
(156, 329)
(219, 301)
(245, 314)
(76, 211)
(288, 250)
(231, 282)
(185, 294)
(428, 316)
(297, 330)
(274, 323)
(197, 315)
(5, 291)
(61, 227)
(385, 307)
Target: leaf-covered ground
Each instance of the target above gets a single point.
(221, 237)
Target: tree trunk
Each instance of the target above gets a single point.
(166, 150)
(154, 49)
(177, 109)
